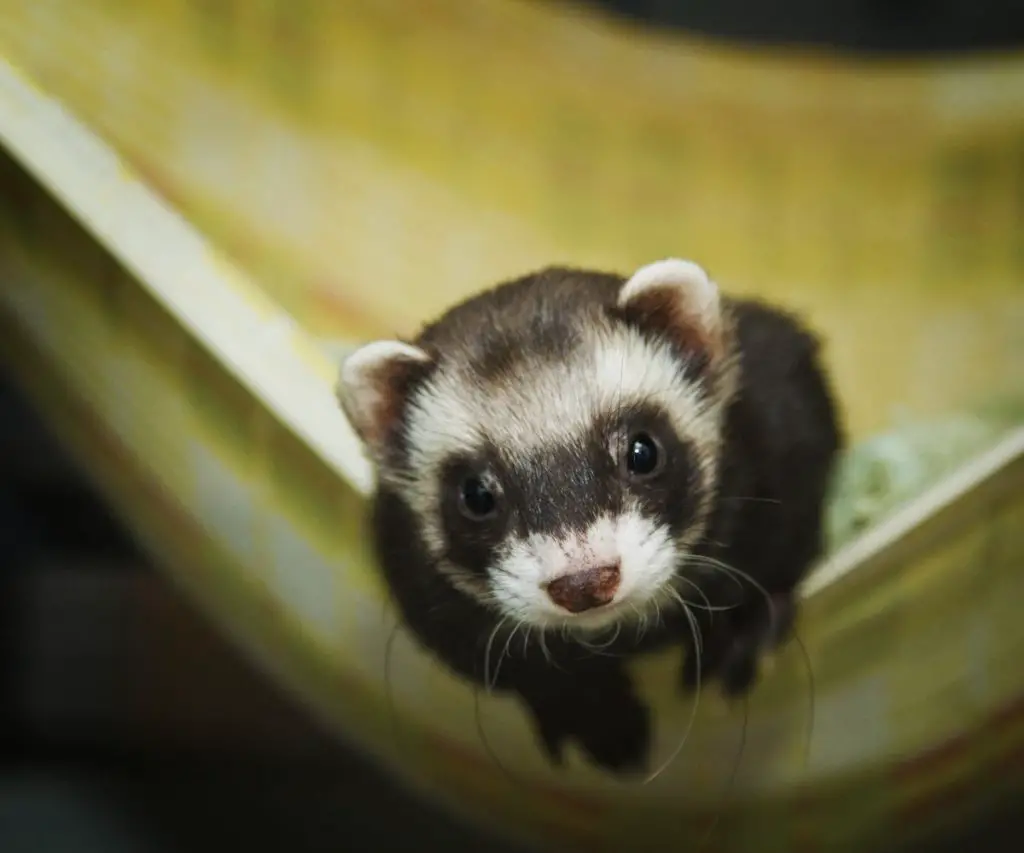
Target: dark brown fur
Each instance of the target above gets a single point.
(781, 435)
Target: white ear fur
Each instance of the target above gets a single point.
(701, 293)
(366, 387)
(696, 295)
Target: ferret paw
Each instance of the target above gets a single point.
(734, 665)
(607, 720)
(740, 669)
(733, 653)
(619, 739)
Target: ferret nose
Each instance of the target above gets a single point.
(585, 590)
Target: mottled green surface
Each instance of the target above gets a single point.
(880, 474)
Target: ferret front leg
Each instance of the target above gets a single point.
(599, 709)
(733, 644)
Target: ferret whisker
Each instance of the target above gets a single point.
(698, 636)
(485, 742)
(693, 708)
(703, 561)
(700, 592)
(636, 610)
(688, 611)
(732, 775)
(488, 683)
(812, 688)
(508, 641)
(601, 648)
(620, 387)
(741, 575)
(641, 625)
(386, 605)
(614, 637)
(389, 692)
(707, 606)
(584, 643)
(504, 652)
(436, 608)
(615, 634)
(677, 597)
(544, 650)
(751, 499)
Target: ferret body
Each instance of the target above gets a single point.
(575, 467)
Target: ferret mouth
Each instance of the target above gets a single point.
(622, 609)
(596, 618)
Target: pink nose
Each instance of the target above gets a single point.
(585, 590)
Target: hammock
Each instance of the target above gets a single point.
(205, 204)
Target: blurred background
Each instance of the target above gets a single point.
(127, 723)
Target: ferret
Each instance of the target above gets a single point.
(575, 467)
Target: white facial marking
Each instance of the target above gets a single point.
(650, 375)
(545, 405)
(645, 552)
(548, 403)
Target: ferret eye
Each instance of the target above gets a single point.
(476, 500)
(643, 456)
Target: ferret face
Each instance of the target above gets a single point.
(556, 439)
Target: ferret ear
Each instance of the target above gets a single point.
(677, 298)
(373, 384)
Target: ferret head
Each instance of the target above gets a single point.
(556, 438)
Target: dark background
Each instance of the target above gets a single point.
(854, 26)
(126, 724)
